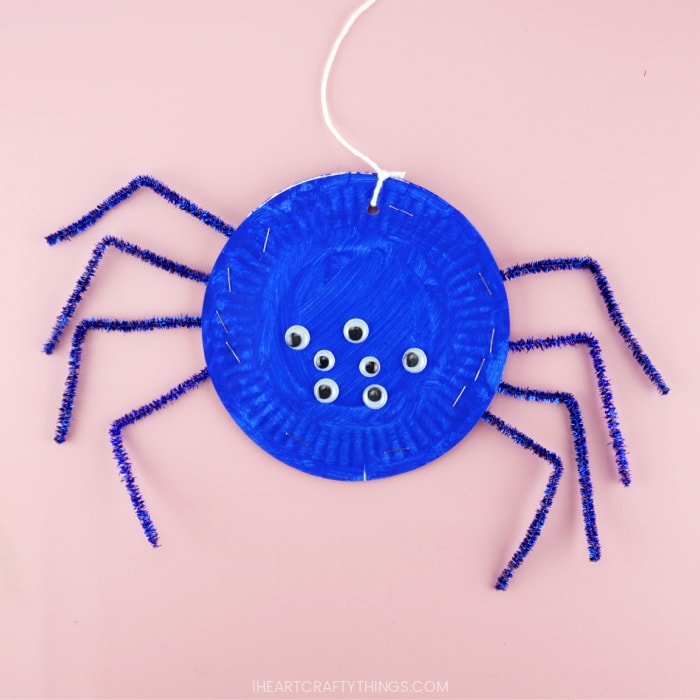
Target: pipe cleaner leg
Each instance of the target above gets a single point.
(86, 278)
(122, 457)
(604, 389)
(105, 324)
(579, 435)
(124, 193)
(533, 531)
(613, 308)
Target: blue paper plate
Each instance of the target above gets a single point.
(353, 345)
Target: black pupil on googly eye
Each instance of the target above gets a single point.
(322, 362)
(374, 394)
(294, 340)
(412, 359)
(355, 333)
(371, 367)
(324, 391)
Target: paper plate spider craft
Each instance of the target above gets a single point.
(354, 345)
(350, 341)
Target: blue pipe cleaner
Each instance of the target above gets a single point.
(613, 308)
(122, 457)
(104, 324)
(604, 389)
(124, 193)
(533, 531)
(86, 278)
(579, 434)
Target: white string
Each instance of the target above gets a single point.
(382, 174)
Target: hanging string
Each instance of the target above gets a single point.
(382, 174)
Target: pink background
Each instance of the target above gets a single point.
(559, 128)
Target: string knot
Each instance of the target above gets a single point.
(382, 176)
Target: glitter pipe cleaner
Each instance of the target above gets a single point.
(579, 434)
(604, 389)
(110, 325)
(613, 308)
(533, 531)
(86, 278)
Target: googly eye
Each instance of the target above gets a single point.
(324, 360)
(369, 366)
(297, 337)
(414, 360)
(356, 330)
(375, 396)
(326, 390)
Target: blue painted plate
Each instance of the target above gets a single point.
(353, 345)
